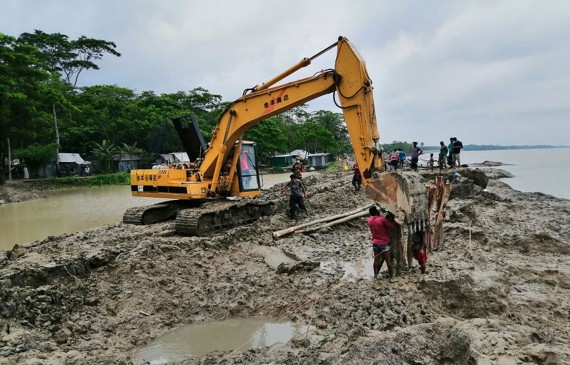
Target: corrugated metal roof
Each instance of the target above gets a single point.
(301, 153)
(70, 158)
(180, 156)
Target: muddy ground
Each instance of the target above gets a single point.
(498, 293)
(15, 192)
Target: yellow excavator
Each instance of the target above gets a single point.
(218, 187)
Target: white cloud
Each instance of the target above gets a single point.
(489, 71)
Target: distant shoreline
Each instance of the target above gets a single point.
(476, 147)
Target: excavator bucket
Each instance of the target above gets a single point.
(402, 193)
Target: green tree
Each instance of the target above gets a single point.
(405, 146)
(152, 114)
(335, 124)
(105, 152)
(22, 81)
(207, 108)
(292, 119)
(316, 138)
(70, 57)
(35, 156)
(269, 137)
(105, 113)
(38, 72)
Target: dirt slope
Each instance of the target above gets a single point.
(499, 293)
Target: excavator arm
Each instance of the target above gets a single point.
(402, 193)
(349, 79)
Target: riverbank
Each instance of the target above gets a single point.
(16, 191)
(497, 294)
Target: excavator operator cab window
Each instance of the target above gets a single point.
(247, 169)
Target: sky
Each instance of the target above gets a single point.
(486, 72)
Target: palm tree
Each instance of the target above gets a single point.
(130, 150)
(105, 152)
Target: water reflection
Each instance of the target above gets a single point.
(232, 334)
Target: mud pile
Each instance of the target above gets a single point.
(18, 192)
(497, 293)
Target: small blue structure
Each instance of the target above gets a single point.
(126, 162)
(318, 159)
(281, 161)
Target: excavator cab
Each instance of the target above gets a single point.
(247, 169)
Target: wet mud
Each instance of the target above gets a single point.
(497, 293)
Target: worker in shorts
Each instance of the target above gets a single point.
(381, 244)
(417, 249)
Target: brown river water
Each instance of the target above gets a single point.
(68, 211)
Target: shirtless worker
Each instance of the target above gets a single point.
(379, 226)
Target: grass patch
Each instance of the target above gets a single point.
(118, 178)
(333, 166)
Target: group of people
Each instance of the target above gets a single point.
(398, 156)
(450, 154)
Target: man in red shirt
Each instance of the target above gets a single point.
(356, 178)
(381, 244)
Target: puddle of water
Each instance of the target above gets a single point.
(274, 256)
(233, 334)
(359, 269)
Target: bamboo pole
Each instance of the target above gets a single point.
(283, 232)
(335, 222)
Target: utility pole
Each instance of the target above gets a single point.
(56, 127)
(9, 160)
(56, 138)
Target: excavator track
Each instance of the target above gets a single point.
(150, 214)
(218, 216)
(195, 218)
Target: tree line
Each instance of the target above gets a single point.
(43, 111)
